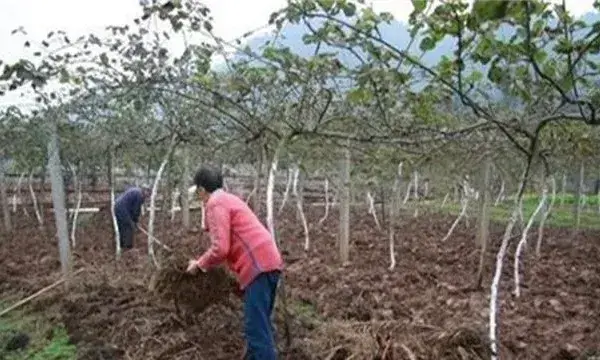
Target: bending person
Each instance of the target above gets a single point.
(128, 207)
(241, 241)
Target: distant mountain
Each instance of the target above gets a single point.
(396, 33)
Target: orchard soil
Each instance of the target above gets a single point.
(426, 308)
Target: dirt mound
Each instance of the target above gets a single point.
(110, 316)
(194, 292)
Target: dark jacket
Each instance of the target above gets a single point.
(129, 204)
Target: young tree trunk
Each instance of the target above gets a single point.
(326, 202)
(408, 187)
(494, 288)
(256, 201)
(484, 220)
(394, 215)
(58, 199)
(110, 178)
(114, 221)
(77, 188)
(578, 201)
(4, 199)
(298, 192)
(463, 211)
(523, 241)
(270, 188)
(36, 207)
(445, 200)
(598, 193)
(372, 210)
(151, 216)
(299, 207)
(563, 190)
(538, 246)
(416, 188)
(500, 193)
(344, 231)
(286, 194)
(16, 198)
(185, 196)
(382, 191)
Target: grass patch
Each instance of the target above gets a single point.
(46, 341)
(560, 217)
(305, 312)
(563, 200)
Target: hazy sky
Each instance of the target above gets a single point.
(232, 18)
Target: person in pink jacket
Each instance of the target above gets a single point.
(240, 240)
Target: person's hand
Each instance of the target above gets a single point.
(237, 291)
(193, 267)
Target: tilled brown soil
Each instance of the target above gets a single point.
(425, 308)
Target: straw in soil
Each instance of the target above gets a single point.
(372, 340)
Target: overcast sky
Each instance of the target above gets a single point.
(232, 18)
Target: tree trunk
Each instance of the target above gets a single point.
(484, 219)
(109, 168)
(577, 206)
(185, 199)
(4, 199)
(394, 215)
(383, 205)
(344, 231)
(256, 201)
(563, 190)
(152, 214)
(58, 199)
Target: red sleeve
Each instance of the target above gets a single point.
(219, 229)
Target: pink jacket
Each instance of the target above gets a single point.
(239, 239)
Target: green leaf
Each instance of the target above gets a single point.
(419, 5)
(564, 46)
(489, 10)
(495, 74)
(475, 76)
(592, 64)
(208, 26)
(401, 78)
(540, 56)
(7, 73)
(326, 4)
(349, 9)
(427, 44)
(359, 95)
(484, 51)
(64, 76)
(104, 59)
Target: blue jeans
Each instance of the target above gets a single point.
(259, 299)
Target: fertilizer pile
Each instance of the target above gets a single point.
(111, 315)
(194, 292)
